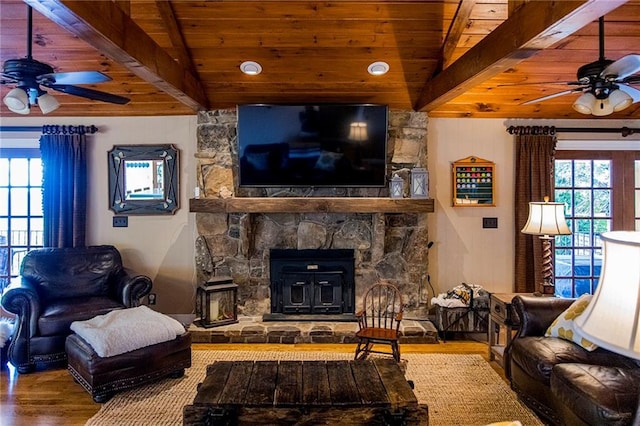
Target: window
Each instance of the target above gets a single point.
(21, 222)
(601, 191)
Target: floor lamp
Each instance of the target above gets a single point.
(547, 220)
(612, 318)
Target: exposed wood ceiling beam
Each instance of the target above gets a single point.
(103, 25)
(456, 29)
(175, 35)
(125, 5)
(512, 5)
(534, 26)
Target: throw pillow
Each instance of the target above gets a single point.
(564, 326)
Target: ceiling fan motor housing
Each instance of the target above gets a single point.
(18, 68)
(590, 74)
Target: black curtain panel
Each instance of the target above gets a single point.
(534, 181)
(64, 189)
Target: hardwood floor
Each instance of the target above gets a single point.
(53, 398)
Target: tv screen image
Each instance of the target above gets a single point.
(312, 145)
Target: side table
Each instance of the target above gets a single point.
(501, 317)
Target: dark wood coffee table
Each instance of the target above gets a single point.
(367, 392)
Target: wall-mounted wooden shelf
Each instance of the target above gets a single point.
(311, 204)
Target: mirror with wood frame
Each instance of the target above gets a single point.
(143, 179)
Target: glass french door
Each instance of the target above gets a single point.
(601, 192)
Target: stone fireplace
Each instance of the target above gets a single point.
(383, 246)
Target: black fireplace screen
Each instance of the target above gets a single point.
(312, 281)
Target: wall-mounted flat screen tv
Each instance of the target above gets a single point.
(312, 145)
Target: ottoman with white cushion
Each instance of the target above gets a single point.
(126, 348)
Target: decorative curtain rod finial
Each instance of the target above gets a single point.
(54, 129)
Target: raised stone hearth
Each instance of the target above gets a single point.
(254, 330)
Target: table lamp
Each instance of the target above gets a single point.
(547, 220)
(612, 319)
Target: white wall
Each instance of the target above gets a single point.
(463, 251)
(161, 247)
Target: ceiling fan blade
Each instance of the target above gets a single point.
(631, 91)
(539, 83)
(95, 95)
(623, 67)
(7, 79)
(75, 77)
(555, 95)
(632, 79)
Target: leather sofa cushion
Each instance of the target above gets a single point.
(537, 356)
(599, 395)
(63, 273)
(57, 316)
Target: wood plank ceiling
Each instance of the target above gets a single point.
(450, 58)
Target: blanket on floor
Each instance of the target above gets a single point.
(126, 330)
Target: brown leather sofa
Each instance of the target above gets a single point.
(562, 382)
(61, 285)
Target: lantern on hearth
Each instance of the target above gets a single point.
(217, 302)
(396, 187)
(419, 183)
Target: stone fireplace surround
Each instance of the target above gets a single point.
(387, 246)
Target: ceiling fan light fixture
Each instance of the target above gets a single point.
(47, 103)
(17, 101)
(250, 68)
(585, 104)
(378, 68)
(619, 100)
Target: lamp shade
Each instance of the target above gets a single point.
(585, 103)
(619, 100)
(17, 101)
(47, 103)
(612, 319)
(546, 218)
(602, 107)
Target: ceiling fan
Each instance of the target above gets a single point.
(605, 84)
(30, 75)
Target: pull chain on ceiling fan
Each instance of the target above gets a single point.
(605, 84)
(28, 75)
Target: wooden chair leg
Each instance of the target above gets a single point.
(396, 351)
(362, 350)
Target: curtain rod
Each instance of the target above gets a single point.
(52, 129)
(552, 130)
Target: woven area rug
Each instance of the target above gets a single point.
(459, 390)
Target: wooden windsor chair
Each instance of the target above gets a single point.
(379, 321)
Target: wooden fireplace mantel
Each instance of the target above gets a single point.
(311, 204)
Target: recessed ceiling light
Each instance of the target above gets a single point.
(378, 68)
(250, 68)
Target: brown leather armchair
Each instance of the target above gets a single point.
(58, 286)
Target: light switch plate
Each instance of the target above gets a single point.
(490, 222)
(120, 221)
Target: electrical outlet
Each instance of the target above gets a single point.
(490, 222)
(120, 221)
(152, 298)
